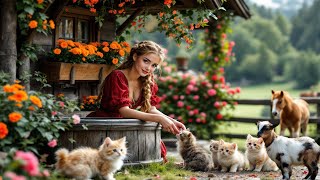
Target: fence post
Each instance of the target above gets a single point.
(318, 115)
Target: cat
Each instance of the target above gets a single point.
(230, 158)
(194, 156)
(257, 156)
(86, 162)
(214, 147)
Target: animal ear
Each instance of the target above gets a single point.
(274, 125)
(221, 141)
(107, 141)
(123, 139)
(249, 136)
(257, 123)
(272, 91)
(234, 145)
(281, 94)
(260, 140)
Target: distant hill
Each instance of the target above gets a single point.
(289, 8)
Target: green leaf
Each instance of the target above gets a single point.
(29, 10)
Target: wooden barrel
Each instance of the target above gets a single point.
(143, 138)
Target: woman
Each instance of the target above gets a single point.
(130, 91)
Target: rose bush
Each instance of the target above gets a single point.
(195, 101)
(101, 53)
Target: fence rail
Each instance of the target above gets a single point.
(267, 102)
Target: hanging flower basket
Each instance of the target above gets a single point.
(59, 71)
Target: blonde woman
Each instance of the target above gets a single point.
(132, 87)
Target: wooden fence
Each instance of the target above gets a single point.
(267, 102)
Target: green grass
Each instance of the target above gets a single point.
(154, 171)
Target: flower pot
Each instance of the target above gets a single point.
(59, 71)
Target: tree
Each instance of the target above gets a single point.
(8, 50)
(283, 24)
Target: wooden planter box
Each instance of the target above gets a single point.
(59, 71)
(143, 138)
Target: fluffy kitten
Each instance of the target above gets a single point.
(214, 147)
(85, 162)
(257, 155)
(230, 158)
(194, 156)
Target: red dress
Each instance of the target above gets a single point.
(116, 96)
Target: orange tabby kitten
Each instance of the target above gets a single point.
(85, 162)
(230, 158)
(214, 148)
(257, 155)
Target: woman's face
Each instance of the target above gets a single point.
(146, 64)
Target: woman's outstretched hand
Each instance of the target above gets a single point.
(171, 125)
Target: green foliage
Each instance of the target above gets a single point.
(304, 28)
(29, 120)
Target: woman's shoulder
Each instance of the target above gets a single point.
(117, 74)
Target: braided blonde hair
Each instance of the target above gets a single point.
(141, 48)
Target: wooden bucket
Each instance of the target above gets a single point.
(143, 138)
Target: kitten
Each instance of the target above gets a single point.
(85, 162)
(214, 147)
(230, 158)
(194, 156)
(257, 155)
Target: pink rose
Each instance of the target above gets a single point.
(212, 92)
(196, 97)
(13, 176)
(31, 165)
(180, 104)
(219, 116)
(76, 119)
(52, 143)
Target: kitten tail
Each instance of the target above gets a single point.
(61, 157)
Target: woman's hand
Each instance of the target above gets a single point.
(169, 125)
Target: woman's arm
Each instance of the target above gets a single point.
(179, 125)
(166, 122)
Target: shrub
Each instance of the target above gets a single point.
(195, 101)
(31, 121)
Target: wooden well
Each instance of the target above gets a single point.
(143, 138)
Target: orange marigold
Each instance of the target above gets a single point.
(57, 51)
(33, 24)
(121, 52)
(105, 49)
(3, 130)
(100, 54)
(31, 108)
(52, 25)
(14, 117)
(64, 44)
(8, 89)
(18, 96)
(36, 101)
(40, 1)
(114, 45)
(115, 60)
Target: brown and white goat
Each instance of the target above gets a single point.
(290, 151)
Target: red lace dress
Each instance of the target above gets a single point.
(116, 95)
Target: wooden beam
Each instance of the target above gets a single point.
(130, 19)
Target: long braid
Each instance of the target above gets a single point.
(146, 88)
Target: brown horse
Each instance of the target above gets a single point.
(294, 114)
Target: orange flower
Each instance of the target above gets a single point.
(19, 105)
(114, 45)
(57, 51)
(17, 86)
(33, 24)
(60, 95)
(18, 96)
(100, 54)
(40, 1)
(31, 108)
(8, 89)
(3, 130)
(105, 43)
(93, 10)
(64, 44)
(14, 117)
(105, 49)
(121, 4)
(36, 101)
(75, 51)
(44, 27)
(115, 60)
(121, 52)
(52, 26)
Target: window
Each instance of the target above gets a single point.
(76, 25)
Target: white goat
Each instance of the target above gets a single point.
(290, 151)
